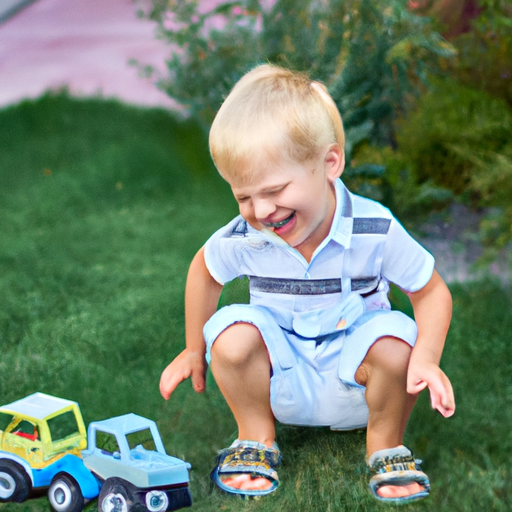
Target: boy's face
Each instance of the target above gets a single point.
(294, 200)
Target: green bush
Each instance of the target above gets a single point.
(371, 56)
(484, 59)
(398, 186)
(454, 133)
(409, 144)
(455, 144)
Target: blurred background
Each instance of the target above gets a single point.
(107, 191)
(394, 70)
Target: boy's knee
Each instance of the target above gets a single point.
(237, 344)
(388, 355)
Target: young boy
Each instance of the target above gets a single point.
(318, 344)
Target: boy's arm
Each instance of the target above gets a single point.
(201, 298)
(432, 310)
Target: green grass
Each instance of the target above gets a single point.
(102, 207)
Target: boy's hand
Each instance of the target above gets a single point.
(422, 375)
(186, 364)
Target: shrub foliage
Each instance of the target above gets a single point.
(371, 56)
(414, 137)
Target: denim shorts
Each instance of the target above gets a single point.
(312, 381)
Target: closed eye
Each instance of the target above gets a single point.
(275, 191)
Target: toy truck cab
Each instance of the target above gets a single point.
(41, 438)
(126, 453)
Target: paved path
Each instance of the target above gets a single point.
(84, 45)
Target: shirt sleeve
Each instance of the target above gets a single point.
(406, 263)
(222, 253)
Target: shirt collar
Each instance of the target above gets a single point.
(341, 228)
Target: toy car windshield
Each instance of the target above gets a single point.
(142, 438)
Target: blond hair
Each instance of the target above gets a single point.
(272, 114)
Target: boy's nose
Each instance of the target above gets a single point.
(263, 208)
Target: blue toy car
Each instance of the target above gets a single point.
(127, 455)
(42, 446)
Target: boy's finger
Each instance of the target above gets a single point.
(446, 410)
(167, 387)
(198, 382)
(168, 383)
(416, 387)
(442, 398)
(165, 391)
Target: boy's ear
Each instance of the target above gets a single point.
(334, 162)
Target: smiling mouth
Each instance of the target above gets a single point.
(280, 224)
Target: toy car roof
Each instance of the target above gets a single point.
(127, 424)
(37, 405)
(124, 424)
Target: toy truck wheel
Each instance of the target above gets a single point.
(14, 482)
(65, 495)
(115, 496)
(157, 501)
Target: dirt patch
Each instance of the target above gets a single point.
(452, 237)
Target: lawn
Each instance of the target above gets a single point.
(102, 207)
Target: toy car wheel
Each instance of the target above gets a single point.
(14, 482)
(65, 495)
(115, 497)
(157, 501)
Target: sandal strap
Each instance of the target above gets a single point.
(395, 463)
(397, 466)
(249, 459)
(399, 458)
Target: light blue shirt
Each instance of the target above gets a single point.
(365, 244)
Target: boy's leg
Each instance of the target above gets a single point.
(384, 374)
(241, 367)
